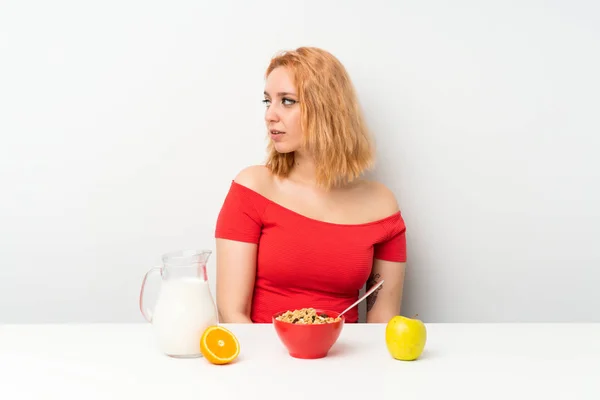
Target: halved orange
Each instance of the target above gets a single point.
(219, 345)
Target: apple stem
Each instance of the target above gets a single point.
(416, 315)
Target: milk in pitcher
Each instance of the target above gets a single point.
(183, 311)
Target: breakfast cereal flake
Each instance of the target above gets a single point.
(306, 316)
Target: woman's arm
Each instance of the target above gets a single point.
(236, 266)
(388, 262)
(237, 234)
(385, 302)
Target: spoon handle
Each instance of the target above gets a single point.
(364, 296)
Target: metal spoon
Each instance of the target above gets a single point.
(364, 296)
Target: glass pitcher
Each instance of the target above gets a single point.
(185, 306)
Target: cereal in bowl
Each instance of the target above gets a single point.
(306, 316)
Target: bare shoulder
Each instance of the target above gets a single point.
(380, 198)
(256, 177)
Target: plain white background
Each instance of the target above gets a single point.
(123, 122)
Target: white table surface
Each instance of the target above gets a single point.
(474, 361)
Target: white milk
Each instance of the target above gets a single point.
(184, 309)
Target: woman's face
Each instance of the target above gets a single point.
(282, 116)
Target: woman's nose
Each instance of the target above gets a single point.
(271, 114)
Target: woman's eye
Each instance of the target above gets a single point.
(288, 102)
(266, 102)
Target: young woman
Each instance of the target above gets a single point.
(307, 229)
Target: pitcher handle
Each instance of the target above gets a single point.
(147, 313)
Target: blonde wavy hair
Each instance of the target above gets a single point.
(334, 130)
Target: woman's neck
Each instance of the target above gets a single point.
(304, 170)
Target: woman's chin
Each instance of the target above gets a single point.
(283, 149)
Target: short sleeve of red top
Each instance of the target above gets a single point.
(303, 262)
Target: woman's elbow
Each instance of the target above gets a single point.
(233, 310)
(234, 317)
